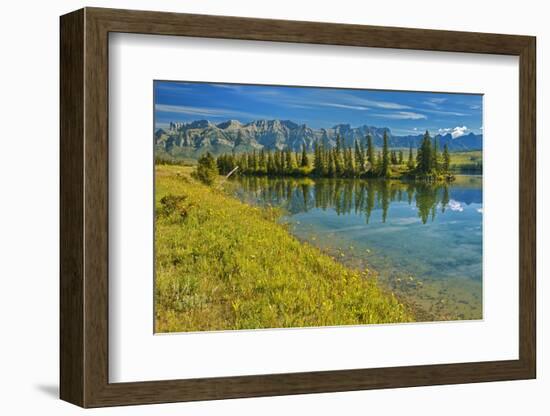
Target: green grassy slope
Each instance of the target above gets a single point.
(221, 264)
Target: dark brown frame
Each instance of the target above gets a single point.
(84, 207)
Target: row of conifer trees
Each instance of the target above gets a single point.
(360, 160)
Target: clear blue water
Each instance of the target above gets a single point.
(425, 241)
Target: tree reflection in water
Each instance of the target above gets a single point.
(346, 196)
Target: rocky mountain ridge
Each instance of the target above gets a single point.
(190, 140)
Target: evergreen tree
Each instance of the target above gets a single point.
(262, 164)
(207, 169)
(220, 163)
(446, 159)
(410, 162)
(281, 166)
(271, 163)
(277, 162)
(393, 157)
(370, 152)
(363, 155)
(225, 163)
(243, 162)
(378, 163)
(424, 157)
(385, 157)
(349, 168)
(338, 162)
(325, 154)
(419, 156)
(318, 161)
(339, 145)
(345, 165)
(331, 169)
(325, 157)
(255, 161)
(289, 162)
(304, 162)
(359, 158)
(435, 155)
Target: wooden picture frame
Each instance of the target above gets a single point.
(84, 207)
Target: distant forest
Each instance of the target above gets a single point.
(362, 160)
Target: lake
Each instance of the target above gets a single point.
(424, 240)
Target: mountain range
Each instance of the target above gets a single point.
(190, 140)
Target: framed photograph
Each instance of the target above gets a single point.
(260, 207)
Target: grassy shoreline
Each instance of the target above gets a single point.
(222, 264)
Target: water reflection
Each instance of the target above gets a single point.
(347, 196)
(424, 240)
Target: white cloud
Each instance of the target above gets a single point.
(185, 109)
(346, 106)
(434, 102)
(205, 112)
(446, 113)
(454, 131)
(388, 106)
(455, 206)
(233, 87)
(351, 99)
(343, 100)
(321, 98)
(402, 115)
(304, 106)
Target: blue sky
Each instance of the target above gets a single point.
(403, 112)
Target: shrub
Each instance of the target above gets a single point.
(207, 169)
